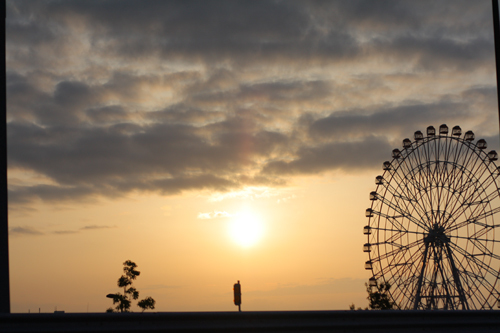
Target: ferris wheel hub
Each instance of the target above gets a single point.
(436, 235)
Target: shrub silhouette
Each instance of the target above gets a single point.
(379, 299)
(129, 292)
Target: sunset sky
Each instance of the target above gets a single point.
(216, 141)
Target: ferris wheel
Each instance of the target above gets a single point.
(431, 229)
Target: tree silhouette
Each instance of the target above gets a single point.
(147, 303)
(125, 281)
(379, 299)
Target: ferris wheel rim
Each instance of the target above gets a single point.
(435, 233)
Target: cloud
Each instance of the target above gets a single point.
(350, 156)
(401, 120)
(213, 215)
(24, 231)
(65, 232)
(254, 31)
(88, 227)
(111, 98)
(95, 227)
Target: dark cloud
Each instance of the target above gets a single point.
(65, 232)
(295, 91)
(350, 156)
(185, 114)
(108, 114)
(27, 194)
(250, 31)
(22, 231)
(95, 227)
(402, 120)
(106, 98)
(88, 227)
(432, 53)
(112, 160)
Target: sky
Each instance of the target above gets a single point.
(217, 141)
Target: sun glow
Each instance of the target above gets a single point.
(246, 229)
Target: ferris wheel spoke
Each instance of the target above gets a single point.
(405, 171)
(403, 232)
(392, 219)
(478, 239)
(480, 191)
(467, 179)
(421, 173)
(470, 275)
(487, 214)
(442, 174)
(409, 173)
(478, 187)
(447, 284)
(476, 219)
(482, 164)
(474, 260)
(477, 281)
(410, 185)
(400, 211)
(482, 284)
(388, 242)
(418, 287)
(476, 268)
(406, 290)
(481, 233)
(395, 237)
(468, 278)
(475, 159)
(471, 184)
(456, 278)
(475, 215)
(485, 251)
(457, 170)
(395, 251)
(403, 264)
(409, 201)
(432, 152)
(402, 283)
(406, 272)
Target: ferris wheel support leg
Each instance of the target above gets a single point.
(421, 277)
(458, 283)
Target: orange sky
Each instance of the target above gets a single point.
(146, 130)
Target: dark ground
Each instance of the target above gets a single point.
(285, 321)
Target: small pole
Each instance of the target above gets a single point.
(237, 295)
(4, 207)
(496, 34)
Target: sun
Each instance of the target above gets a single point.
(246, 229)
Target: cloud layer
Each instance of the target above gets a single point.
(107, 98)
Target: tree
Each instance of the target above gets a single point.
(379, 299)
(125, 281)
(147, 303)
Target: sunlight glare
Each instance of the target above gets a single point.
(246, 229)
